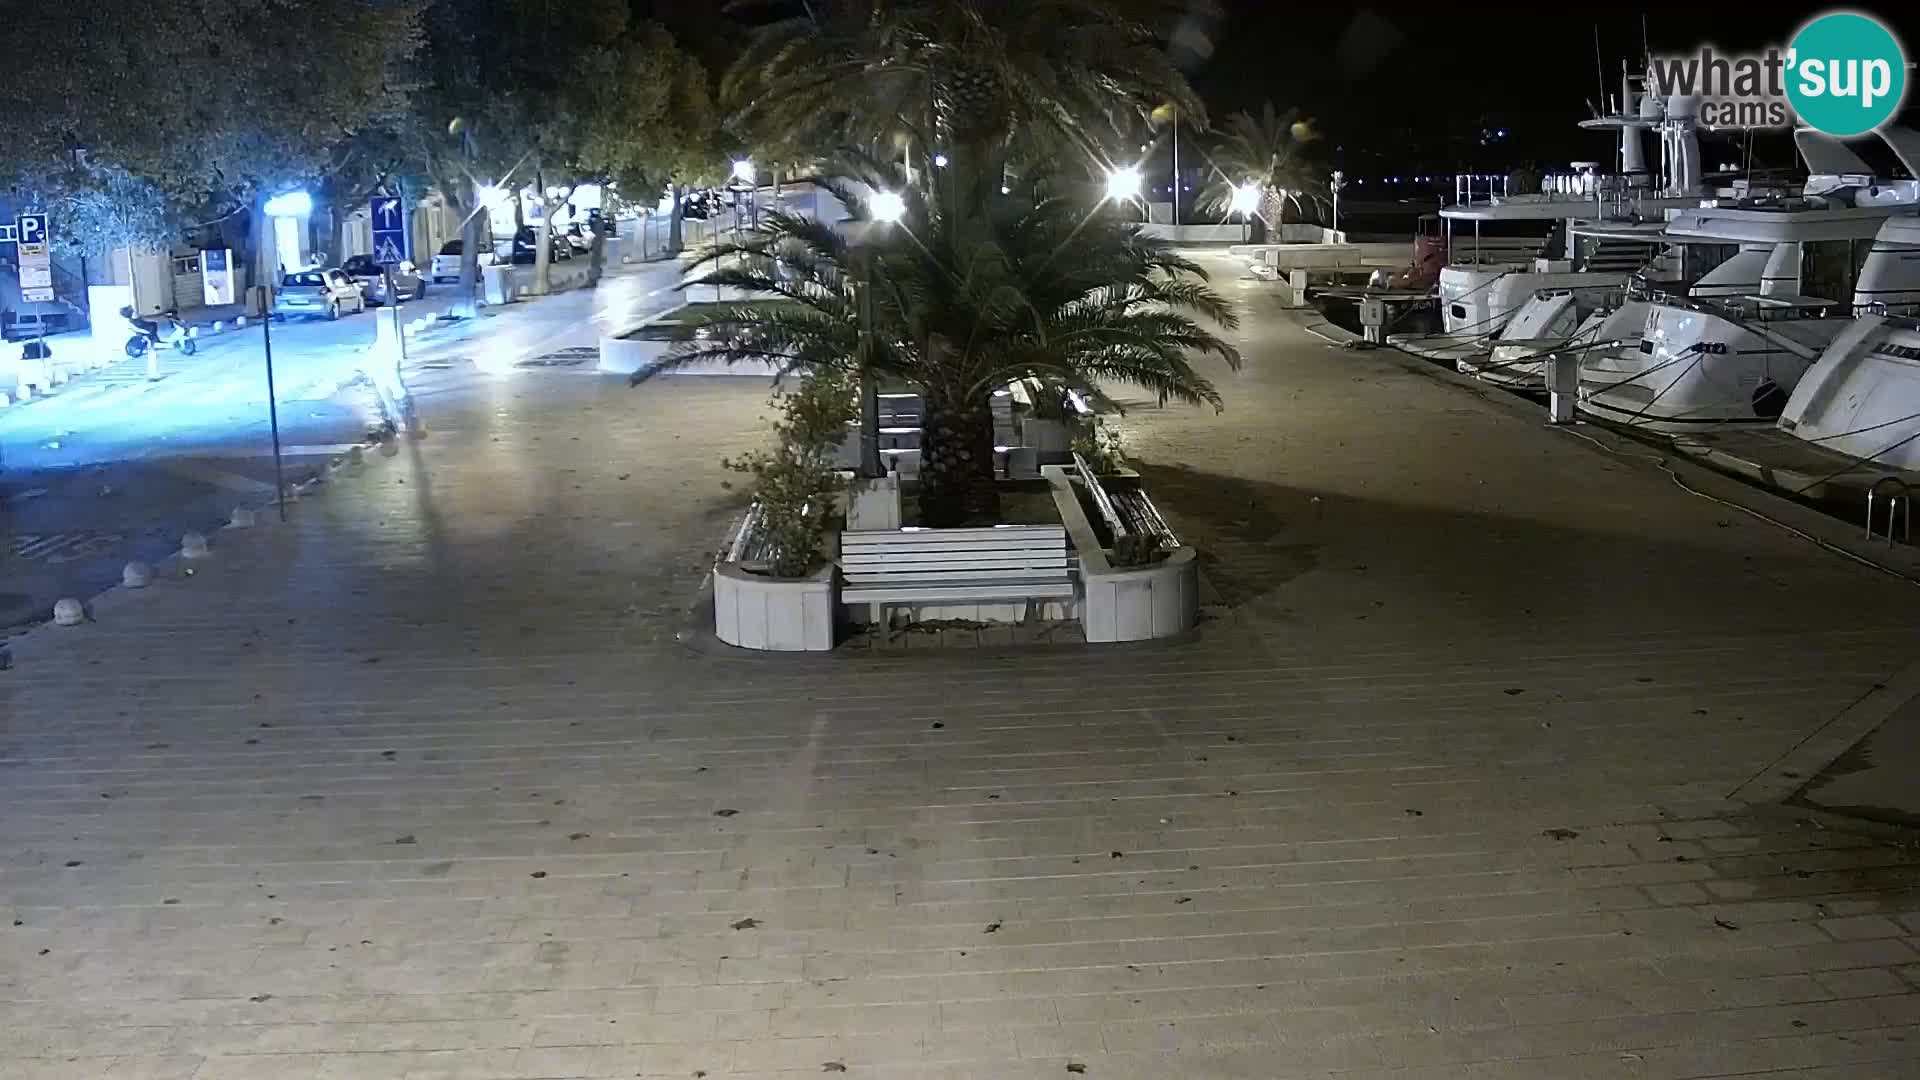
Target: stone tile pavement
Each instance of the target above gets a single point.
(423, 784)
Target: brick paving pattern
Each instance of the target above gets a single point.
(425, 784)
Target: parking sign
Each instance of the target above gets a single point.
(36, 264)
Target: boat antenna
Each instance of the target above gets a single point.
(1600, 69)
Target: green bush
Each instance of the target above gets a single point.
(796, 484)
(1100, 444)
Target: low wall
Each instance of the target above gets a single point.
(561, 276)
(1301, 256)
(1196, 234)
(1125, 603)
(626, 354)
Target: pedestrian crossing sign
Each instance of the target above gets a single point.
(386, 251)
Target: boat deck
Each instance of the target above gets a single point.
(1794, 466)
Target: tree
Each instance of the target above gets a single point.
(201, 112)
(1047, 290)
(1272, 151)
(983, 82)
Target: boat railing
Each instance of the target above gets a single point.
(1611, 296)
(1898, 506)
(1744, 309)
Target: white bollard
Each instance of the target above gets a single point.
(219, 325)
(239, 322)
(68, 612)
(389, 447)
(136, 575)
(242, 518)
(193, 546)
(356, 457)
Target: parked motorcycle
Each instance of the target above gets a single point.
(168, 333)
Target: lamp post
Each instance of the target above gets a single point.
(1339, 181)
(1245, 200)
(884, 208)
(1123, 183)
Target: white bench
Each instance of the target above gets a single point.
(945, 566)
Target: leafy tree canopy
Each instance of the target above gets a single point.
(194, 108)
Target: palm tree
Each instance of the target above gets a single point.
(980, 81)
(1272, 151)
(1047, 290)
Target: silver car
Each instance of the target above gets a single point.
(408, 283)
(328, 293)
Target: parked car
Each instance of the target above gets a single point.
(580, 238)
(446, 265)
(372, 279)
(525, 243)
(317, 292)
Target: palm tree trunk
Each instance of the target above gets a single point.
(956, 463)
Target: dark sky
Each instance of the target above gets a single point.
(1405, 86)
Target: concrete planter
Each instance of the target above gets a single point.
(1125, 603)
(873, 504)
(753, 611)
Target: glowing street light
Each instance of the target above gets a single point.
(743, 171)
(289, 204)
(1123, 184)
(887, 207)
(939, 161)
(1245, 199)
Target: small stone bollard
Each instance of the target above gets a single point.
(242, 518)
(356, 457)
(239, 322)
(68, 612)
(136, 575)
(194, 546)
(219, 325)
(389, 447)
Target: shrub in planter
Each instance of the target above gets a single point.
(795, 483)
(1100, 444)
(1135, 550)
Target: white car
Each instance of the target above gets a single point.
(446, 265)
(330, 293)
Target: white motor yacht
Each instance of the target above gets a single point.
(1735, 360)
(1862, 397)
(1556, 320)
(1578, 233)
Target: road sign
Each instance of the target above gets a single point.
(36, 265)
(389, 229)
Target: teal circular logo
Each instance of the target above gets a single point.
(1846, 74)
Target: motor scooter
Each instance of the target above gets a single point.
(168, 333)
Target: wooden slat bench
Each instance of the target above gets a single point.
(936, 566)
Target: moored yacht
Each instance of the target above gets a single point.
(1736, 359)
(1584, 319)
(1862, 397)
(1579, 232)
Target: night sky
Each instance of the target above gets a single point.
(1403, 88)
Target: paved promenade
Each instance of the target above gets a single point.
(424, 784)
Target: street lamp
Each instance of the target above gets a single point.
(1123, 184)
(939, 161)
(1339, 181)
(289, 204)
(886, 207)
(1244, 201)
